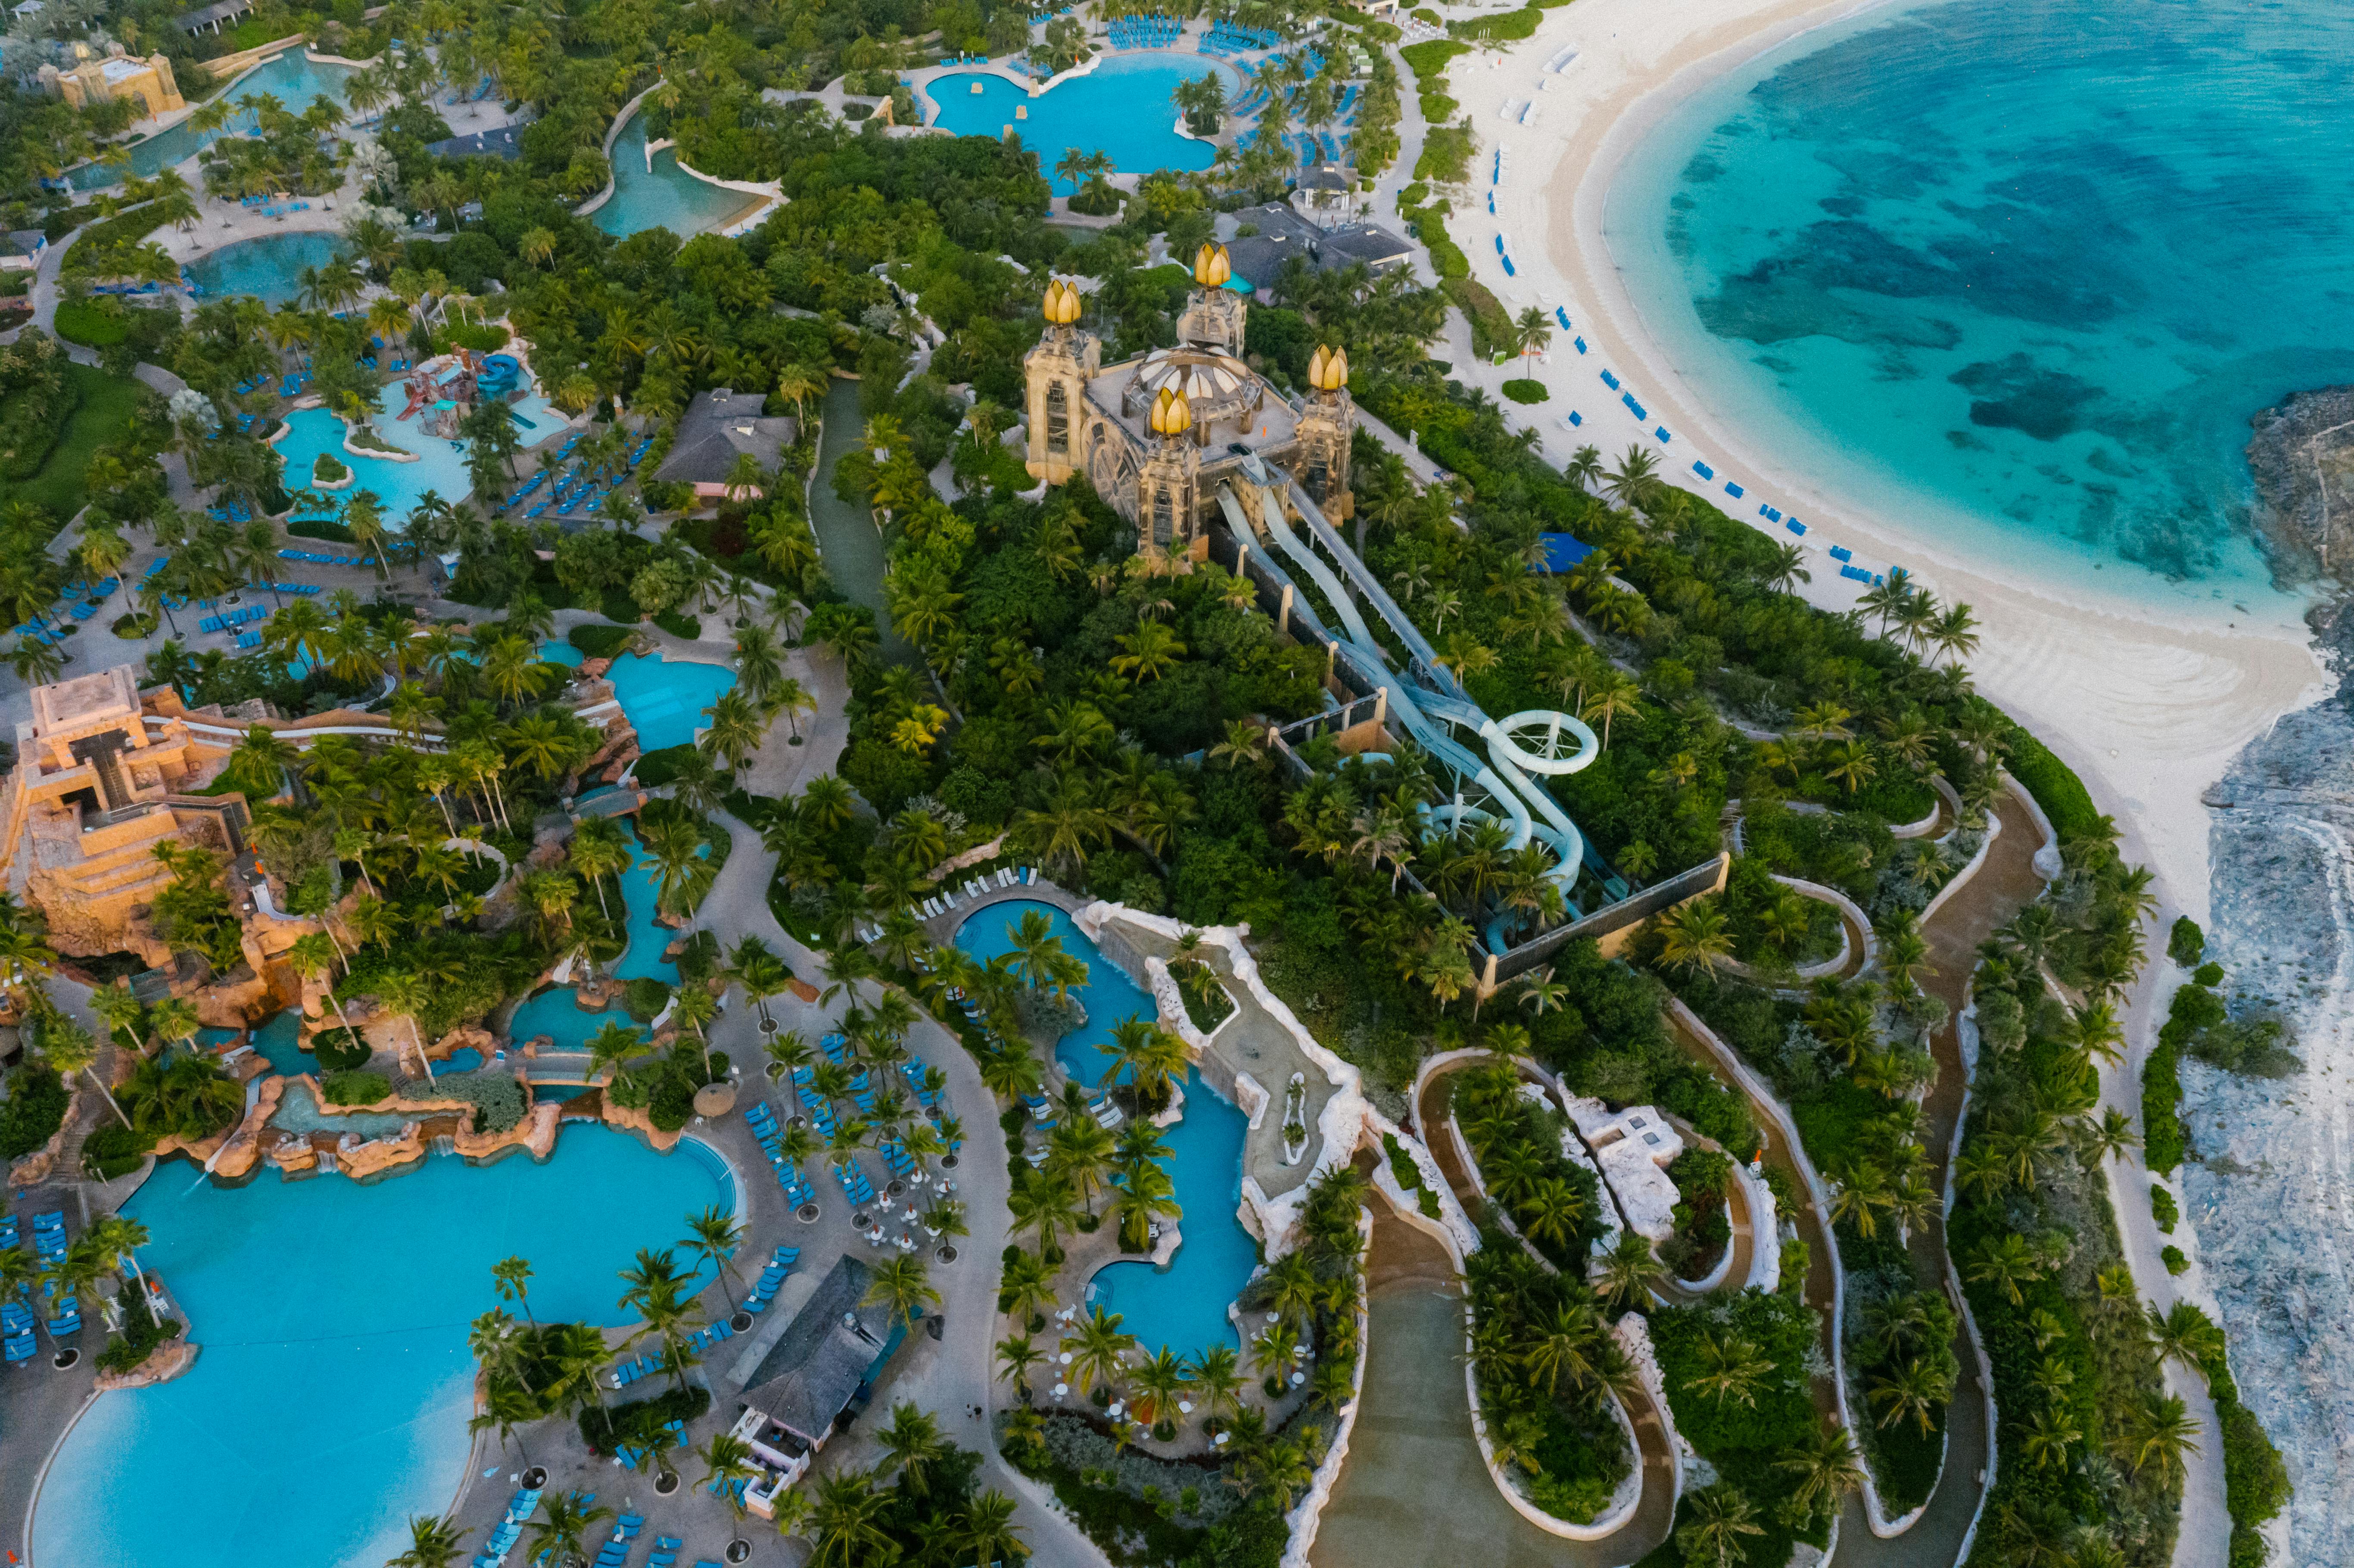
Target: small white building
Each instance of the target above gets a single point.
(1633, 1148)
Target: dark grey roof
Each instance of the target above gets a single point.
(226, 11)
(1375, 246)
(1325, 177)
(812, 1372)
(719, 425)
(1258, 258)
(24, 242)
(498, 144)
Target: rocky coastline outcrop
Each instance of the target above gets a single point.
(2301, 455)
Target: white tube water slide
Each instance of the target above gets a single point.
(1520, 745)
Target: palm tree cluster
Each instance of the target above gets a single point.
(1307, 1302)
(2078, 1378)
(917, 1508)
(1911, 617)
(104, 1249)
(1547, 1366)
(1553, 1202)
(274, 149)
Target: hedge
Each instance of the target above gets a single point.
(658, 768)
(2161, 1126)
(600, 641)
(331, 532)
(2055, 787)
(497, 1097)
(33, 1111)
(680, 625)
(1520, 389)
(354, 1089)
(2255, 1481)
(79, 320)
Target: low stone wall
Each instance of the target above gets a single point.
(164, 1363)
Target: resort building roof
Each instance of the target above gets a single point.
(720, 426)
(498, 143)
(814, 1370)
(1282, 234)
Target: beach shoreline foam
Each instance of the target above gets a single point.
(2147, 703)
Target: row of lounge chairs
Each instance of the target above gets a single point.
(318, 557)
(986, 883)
(1145, 32)
(232, 620)
(798, 1191)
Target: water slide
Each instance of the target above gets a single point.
(1523, 744)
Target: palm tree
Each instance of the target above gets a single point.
(904, 1284)
(1015, 1356)
(713, 1235)
(1695, 937)
(912, 1445)
(511, 1278)
(727, 1466)
(1718, 1517)
(1827, 1470)
(1098, 1349)
(433, 1542)
(561, 1535)
(848, 1531)
(985, 1532)
(1731, 1368)
(1913, 1388)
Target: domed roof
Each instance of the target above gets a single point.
(1212, 265)
(1200, 375)
(1171, 415)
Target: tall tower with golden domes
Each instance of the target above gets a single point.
(1328, 428)
(1169, 484)
(1213, 317)
(1056, 375)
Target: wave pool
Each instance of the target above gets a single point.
(331, 1398)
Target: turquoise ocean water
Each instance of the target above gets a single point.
(2021, 273)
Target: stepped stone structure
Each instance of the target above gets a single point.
(116, 75)
(1158, 435)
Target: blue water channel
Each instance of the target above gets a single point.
(331, 1401)
(1184, 1305)
(270, 268)
(291, 79)
(552, 1012)
(1122, 108)
(663, 198)
(665, 697)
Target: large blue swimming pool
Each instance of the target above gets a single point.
(665, 697)
(290, 79)
(1122, 108)
(441, 466)
(1184, 1307)
(331, 1399)
(270, 268)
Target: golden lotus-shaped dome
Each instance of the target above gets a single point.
(1063, 304)
(1212, 265)
(1171, 414)
(1328, 369)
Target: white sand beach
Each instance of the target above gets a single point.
(2147, 704)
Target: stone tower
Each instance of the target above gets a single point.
(1214, 319)
(1056, 375)
(1168, 488)
(1327, 424)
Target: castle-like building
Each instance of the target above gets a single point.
(1158, 435)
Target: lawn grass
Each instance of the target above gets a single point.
(103, 414)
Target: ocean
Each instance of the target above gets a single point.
(2021, 273)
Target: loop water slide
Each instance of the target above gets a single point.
(1429, 697)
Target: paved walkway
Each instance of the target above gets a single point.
(1414, 1492)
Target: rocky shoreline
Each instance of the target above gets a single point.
(2303, 458)
(2265, 1181)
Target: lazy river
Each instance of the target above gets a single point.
(1184, 1305)
(331, 1399)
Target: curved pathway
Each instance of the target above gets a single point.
(1416, 1492)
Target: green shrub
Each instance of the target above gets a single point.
(141, 1333)
(679, 624)
(645, 997)
(33, 1111)
(2055, 787)
(2161, 1088)
(92, 326)
(2162, 1207)
(2186, 944)
(327, 469)
(136, 626)
(341, 1050)
(2208, 975)
(2176, 1263)
(354, 1089)
(497, 1097)
(333, 533)
(616, 605)
(1520, 389)
(637, 1421)
(658, 768)
(600, 641)
(114, 1149)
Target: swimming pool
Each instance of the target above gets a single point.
(1121, 109)
(552, 1012)
(1183, 1306)
(665, 197)
(440, 467)
(293, 81)
(270, 268)
(331, 1397)
(665, 697)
